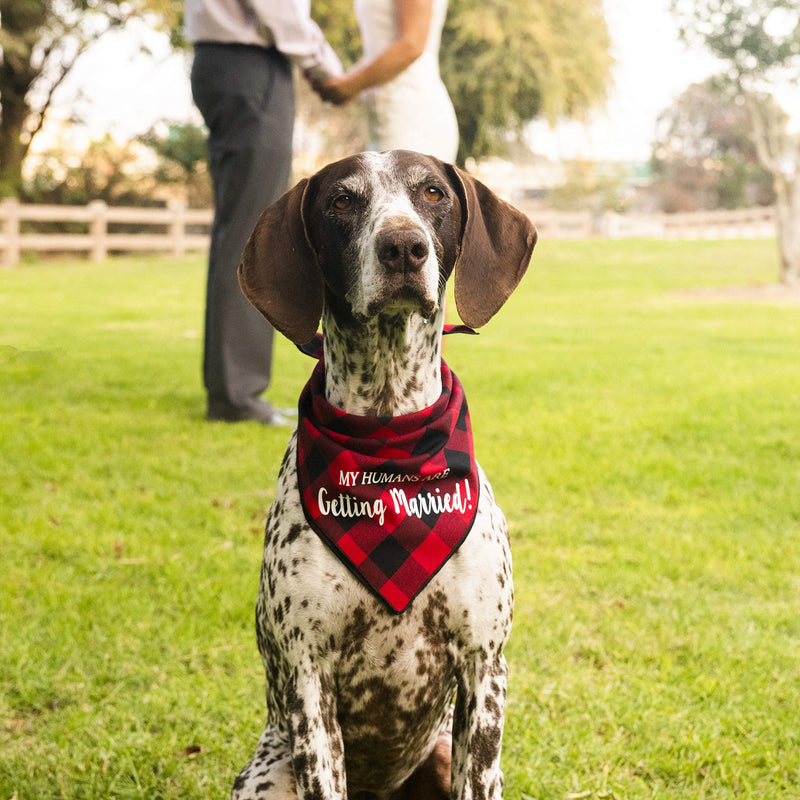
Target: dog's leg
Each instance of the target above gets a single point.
(269, 773)
(317, 746)
(478, 730)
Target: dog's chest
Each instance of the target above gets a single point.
(311, 607)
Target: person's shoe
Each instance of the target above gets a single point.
(261, 412)
(272, 416)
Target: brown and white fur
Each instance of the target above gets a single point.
(360, 699)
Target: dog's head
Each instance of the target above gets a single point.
(380, 232)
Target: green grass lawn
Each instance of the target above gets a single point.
(645, 448)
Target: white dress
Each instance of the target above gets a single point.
(413, 111)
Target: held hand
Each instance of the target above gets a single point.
(334, 90)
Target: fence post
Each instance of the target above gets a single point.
(10, 214)
(609, 225)
(98, 229)
(178, 227)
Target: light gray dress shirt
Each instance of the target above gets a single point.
(286, 24)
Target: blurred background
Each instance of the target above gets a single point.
(604, 107)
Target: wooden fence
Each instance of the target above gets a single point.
(102, 229)
(177, 230)
(744, 223)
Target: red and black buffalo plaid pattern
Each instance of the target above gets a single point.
(393, 497)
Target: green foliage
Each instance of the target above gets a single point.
(182, 152)
(107, 171)
(338, 21)
(125, 174)
(642, 440)
(183, 144)
(508, 61)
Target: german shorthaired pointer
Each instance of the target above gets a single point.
(365, 646)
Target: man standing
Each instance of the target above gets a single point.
(242, 84)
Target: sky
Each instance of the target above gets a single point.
(652, 68)
(116, 89)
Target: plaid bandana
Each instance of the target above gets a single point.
(393, 497)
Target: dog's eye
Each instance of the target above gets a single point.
(433, 194)
(342, 202)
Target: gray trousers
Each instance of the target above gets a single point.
(246, 97)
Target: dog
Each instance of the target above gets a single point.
(361, 678)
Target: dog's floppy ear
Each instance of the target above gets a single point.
(279, 272)
(496, 246)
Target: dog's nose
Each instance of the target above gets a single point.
(402, 249)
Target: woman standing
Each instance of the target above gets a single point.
(408, 106)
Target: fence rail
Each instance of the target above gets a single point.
(177, 230)
(744, 223)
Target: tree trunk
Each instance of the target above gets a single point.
(12, 148)
(778, 152)
(17, 73)
(788, 208)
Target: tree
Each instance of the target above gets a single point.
(169, 162)
(703, 154)
(758, 41)
(40, 41)
(182, 152)
(506, 62)
(106, 171)
(509, 61)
